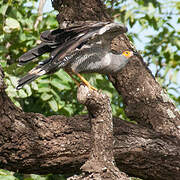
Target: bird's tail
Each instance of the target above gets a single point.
(36, 72)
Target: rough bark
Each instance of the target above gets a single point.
(82, 10)
(32, 143)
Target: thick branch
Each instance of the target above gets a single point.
(80, 10)
(32, 143)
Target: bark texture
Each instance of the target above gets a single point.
(32, 143)
(82, 10)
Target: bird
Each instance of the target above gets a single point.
(84, 48)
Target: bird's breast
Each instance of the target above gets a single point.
(112, 63)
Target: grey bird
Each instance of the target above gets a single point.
(84, 48)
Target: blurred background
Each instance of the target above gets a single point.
(154, 29)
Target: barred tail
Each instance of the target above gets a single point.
(26, 80)
(32, 75)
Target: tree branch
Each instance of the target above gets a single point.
(32, 143)
(101, 163)
(40, 13)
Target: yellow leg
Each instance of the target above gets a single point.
(77, 83)
(85, 82)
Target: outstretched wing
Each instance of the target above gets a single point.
(52, 39)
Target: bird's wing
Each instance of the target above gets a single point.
(51, 39)
(91, 34)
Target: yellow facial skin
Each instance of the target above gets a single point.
(127, 54)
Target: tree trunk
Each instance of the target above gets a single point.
(32, 143)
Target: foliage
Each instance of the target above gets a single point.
(56, 94)
(8, 175)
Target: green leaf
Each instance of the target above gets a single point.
(22, 93)
(67, 110)
(34, 85)
(7, 175)
(14, 80)
(37, 177)
(8, 178)
(12, 92)
(44, 89)
(11, 24)
(46, 96)
(3, 9)
(53, 104)
(28, 90)
(59, 84)
(63, 76)
(3, 64)
(174, 76)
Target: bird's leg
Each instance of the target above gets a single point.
(85, 81)
(77, 83)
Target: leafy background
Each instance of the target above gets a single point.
(154, 28)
